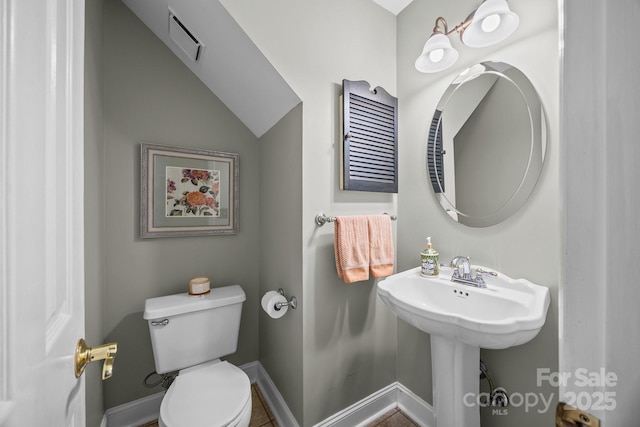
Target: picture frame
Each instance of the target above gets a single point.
(187, 192)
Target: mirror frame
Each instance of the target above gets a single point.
(538, 137)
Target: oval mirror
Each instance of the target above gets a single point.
(487, 143)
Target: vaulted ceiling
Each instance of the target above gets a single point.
(215, 48)
(393, 6)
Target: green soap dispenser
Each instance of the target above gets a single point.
(430, 264)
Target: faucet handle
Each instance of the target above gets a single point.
(490, 273)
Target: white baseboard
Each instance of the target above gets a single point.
(135, 413)
(416, 408)
(274, 399)
(395, 395)
(371, 407)
(141, 411)
(364, 411)
(251, 369)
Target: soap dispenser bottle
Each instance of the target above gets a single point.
(430, 263)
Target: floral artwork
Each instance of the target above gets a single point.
(188, 192)
(192, 192)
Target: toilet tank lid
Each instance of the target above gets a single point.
(173, 305)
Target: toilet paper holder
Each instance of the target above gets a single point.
(293, 302)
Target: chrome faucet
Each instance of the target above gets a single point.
(465, 276)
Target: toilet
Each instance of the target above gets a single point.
(190, 334)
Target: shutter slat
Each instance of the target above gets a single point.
(374, 160)
(374, 144)
(373, 130)
(370, 104)
(368, 116)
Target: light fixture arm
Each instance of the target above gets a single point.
(457, 29)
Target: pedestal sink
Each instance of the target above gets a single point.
(461, 319)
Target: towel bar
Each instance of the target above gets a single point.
(322, 218)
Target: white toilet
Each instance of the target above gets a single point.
(190, 334)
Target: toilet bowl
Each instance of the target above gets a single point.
(212, 394)
(190, 334)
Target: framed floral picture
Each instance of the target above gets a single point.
(187, 192)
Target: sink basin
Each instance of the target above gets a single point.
(461, 319)
(506, 313)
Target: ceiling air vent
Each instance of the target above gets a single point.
(184, 38)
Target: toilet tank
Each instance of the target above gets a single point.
(190, 330)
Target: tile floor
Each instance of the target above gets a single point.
(261, 416)
(393, 418)
(260, 413)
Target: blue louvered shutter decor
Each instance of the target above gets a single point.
(370, 138)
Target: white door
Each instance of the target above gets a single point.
(41, 212)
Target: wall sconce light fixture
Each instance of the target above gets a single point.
(489, 24)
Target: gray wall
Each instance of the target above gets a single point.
(94, 203)
(150, 96)
(348, 334)
(528, 244)
(280, 254)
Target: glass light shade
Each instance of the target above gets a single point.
(437, 54)
(491, 15)
(490, 23)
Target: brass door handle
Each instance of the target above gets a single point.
(86, 355)
(568, 416)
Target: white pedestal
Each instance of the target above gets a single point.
(455, 373)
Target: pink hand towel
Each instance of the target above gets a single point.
(381, 254)
(351, 245)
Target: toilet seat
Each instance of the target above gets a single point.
(215, 394)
